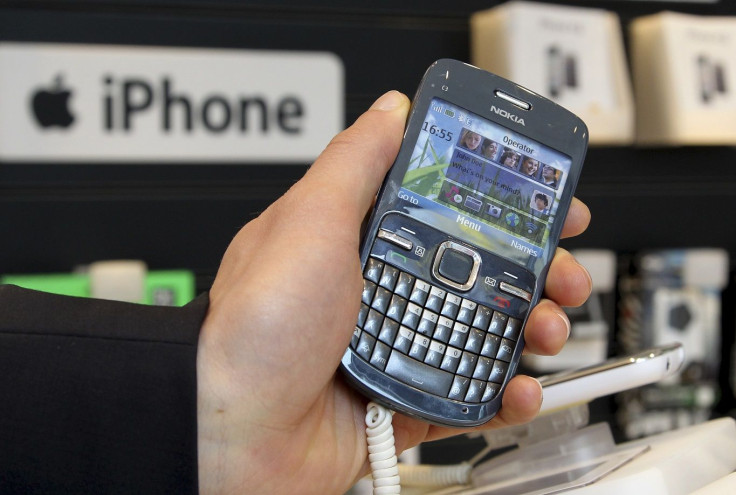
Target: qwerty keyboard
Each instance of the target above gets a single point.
(432, 339)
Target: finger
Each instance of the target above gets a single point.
(521, 402)
(577, 220)
(547, 329)
(568, 282)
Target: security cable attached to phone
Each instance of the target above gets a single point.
(381, 450)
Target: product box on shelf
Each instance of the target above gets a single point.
(574, 56)
(684, 73)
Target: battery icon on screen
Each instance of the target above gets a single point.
(449, 112)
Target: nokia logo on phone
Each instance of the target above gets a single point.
(507, 114)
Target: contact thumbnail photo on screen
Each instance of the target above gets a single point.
(484, 183)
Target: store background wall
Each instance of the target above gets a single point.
(54, 217)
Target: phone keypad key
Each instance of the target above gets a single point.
(459, 335)
(467, 311)
(506, 350)
(498, 323)
(443, 330)
(369, 289)
(365, 346)
(404, 285)
(411, 316)
(483, 369)
(435, 353)
(475, 340)
(404, 340)
(483, 317)
(431, 339)
(389, 277)
(513, 329)
(490, 345)
(419, 348)
(362, 315)
(388, 332)
(475, 391)
(373, 322)
(420, 292)
(436, 299)
(427, 323)
(490, 392)
(451, 360)
(380, 355)
(381, 299)
(467, 364)
(459, 388)
(498, 373)
(373, 270)
(396, 307)
(451, 306)
(419, 375)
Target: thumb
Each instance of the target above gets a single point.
(355, 162)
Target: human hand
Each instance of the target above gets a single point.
(273, 414)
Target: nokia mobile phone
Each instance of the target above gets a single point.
(457, 248)
(567, 388)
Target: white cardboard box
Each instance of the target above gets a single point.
(684, 70)
(574, 56)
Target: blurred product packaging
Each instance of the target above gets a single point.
(574, 56)
(673, 296)
(118, 280)
(684, 72)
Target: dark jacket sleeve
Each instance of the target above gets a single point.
(97, 396)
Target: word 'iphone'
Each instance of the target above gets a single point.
(458, 246)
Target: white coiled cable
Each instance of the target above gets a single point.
(435, 476)
(381, 450)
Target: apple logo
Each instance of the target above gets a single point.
(51, 105)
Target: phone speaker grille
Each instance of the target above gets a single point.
(524, 105)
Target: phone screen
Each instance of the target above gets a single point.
(485, 184)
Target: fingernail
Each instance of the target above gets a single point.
(564, 318)
(587, 274)
(389, 101)
(541, 392)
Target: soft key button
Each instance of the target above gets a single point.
(395, 239)
(515, 291)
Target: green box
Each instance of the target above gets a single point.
(162, 288)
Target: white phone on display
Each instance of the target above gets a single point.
(568, 388)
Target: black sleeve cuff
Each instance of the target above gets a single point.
(97, 396)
